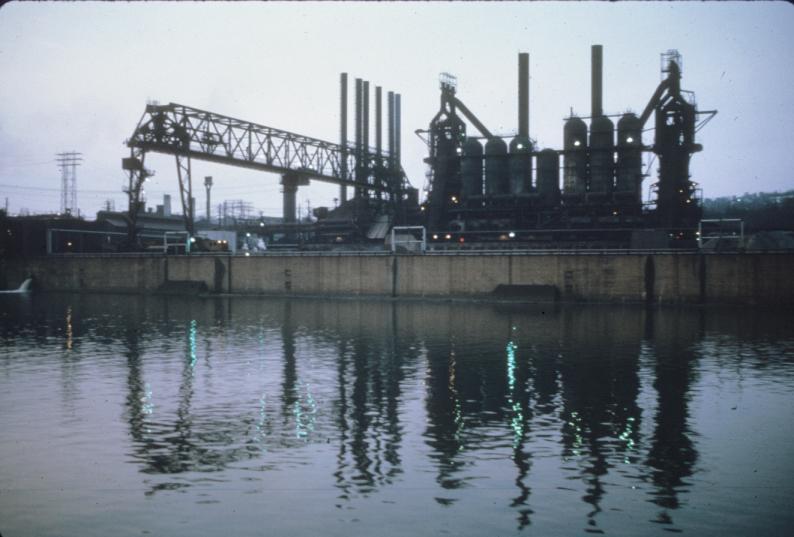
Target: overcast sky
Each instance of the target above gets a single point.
(77, 76)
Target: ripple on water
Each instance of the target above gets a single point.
(484, 420)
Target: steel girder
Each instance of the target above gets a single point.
(181, 130)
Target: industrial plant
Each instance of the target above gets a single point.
(483, 190)
(482, 187)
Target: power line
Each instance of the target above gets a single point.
(44, 188)
(24, 164)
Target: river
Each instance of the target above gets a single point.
(134, 415)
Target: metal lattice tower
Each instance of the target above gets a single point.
(68, 162)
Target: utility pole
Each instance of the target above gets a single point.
(68, 162)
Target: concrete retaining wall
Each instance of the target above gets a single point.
(664, 277)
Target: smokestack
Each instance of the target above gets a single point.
(343, 134)
(365, 159)
(378, 113)
(357, 175)
(390, 105)
(523, 94)
(378, 137)
(397, 130)
(596, 89)
(365, 127)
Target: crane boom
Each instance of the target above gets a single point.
(189, 133)
(176, 129)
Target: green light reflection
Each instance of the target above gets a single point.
(305, 413)
(517, 421)
(192, 343)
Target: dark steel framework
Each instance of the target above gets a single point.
(462, 216)
(189, 133)
(446, 136)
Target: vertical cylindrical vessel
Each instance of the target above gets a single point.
(628, 175)
(602, 155)
(575, 147)
(520, 165)
(496, 169)
(548, 184)
(471, 168)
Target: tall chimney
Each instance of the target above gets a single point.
(357, 175)
(390, 105)
(343, 134)
(365, 162)
(523, 94)
(397, 148)
(378, 137)
(365, 126)
(596, 89)
(378, 113)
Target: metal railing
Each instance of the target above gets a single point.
(720, 232)
(185, 244)
(422, 242)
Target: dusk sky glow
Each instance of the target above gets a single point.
(77, 76)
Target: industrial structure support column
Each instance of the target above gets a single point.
(138, 174)
(291, 182)
(208, 187)
(184, 175)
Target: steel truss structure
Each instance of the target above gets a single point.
(187, 133)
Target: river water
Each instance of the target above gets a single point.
(129, 415)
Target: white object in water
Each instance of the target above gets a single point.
(24, 288)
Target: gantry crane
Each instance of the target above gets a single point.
(189, 133)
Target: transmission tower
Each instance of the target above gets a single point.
(68, 163)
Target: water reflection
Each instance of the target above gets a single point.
(369, 375)
(599, 376)
(672, 454)
(370, 397)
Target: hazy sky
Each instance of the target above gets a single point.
(77, 76)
